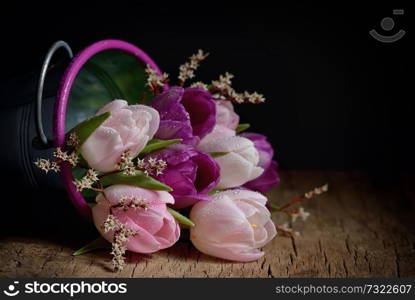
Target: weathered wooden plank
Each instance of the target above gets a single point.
(357, 229)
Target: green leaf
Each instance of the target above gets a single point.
(88, 193)
(82, 162)
(86, 128)
(97, 244)
(214, 191)
(78, 173)
(217, 154)
(242, 127)
(139, 180)
(180, 218)
(156, 144)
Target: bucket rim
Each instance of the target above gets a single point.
(62, 99)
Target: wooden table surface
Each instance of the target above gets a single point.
(357, 229)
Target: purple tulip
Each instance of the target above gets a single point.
(189, 172)
(188, 114)
(270, 177)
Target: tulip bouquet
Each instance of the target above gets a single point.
(179, 163)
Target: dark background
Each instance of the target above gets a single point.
(336, 98)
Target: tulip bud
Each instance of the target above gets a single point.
(189, 172)
(129, 128)
(239, 164)
(232, 226)
(226, 121)
(270, 177)
(187, 114)
(140, 210)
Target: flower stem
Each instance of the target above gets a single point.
(275, 207)
(180, 218)
(97, 244)
(109, 173)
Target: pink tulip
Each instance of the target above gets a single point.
(232, 226)
(129, 128)
(226, 121)
(217, 132)
(156, 227)
(239, 164)
(225, 115)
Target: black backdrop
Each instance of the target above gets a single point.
(336, 98)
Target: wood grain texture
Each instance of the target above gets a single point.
(357, 229)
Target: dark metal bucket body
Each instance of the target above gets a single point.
(102, 72)
(20, 145)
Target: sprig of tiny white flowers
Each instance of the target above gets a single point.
(61, 156)
(200, 85)
(87, 181)
(222, 89)
(155, 81)
(317, 191)
(121, 236)
(149, 166)
(299, 212)
(287, 230)
(188, 68)
(132, 202)
(47, 165)
(72, 140)
(126, 164)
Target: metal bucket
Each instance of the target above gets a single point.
(42, 111)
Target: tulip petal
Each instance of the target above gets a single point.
(245, 195)
(202, 110)
(248, 209)
(116, 192)
(168, 232)
(190, 172)
(154, 117)
(235, 170)
(265, 150)
(266, 181)
(271, 233)
(172, 129)
(182, 184)
(156, 227)
(189, 200)
(174, 119)
(102, 149)
(217, 132)
(113, 106)
(143, 242)
(225, 115)
(255, 173)
(226, 144)
(167, 105)
(229, 251)
(250, 154)
(149, 219)
(208, 173)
